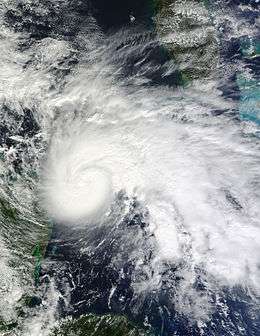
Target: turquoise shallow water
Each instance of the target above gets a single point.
(250, 100)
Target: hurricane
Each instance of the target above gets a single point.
(129, 168)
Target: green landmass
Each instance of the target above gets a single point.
(94, 325)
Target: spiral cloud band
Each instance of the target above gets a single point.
(78, 190)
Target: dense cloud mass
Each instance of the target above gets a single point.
(129, 165)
